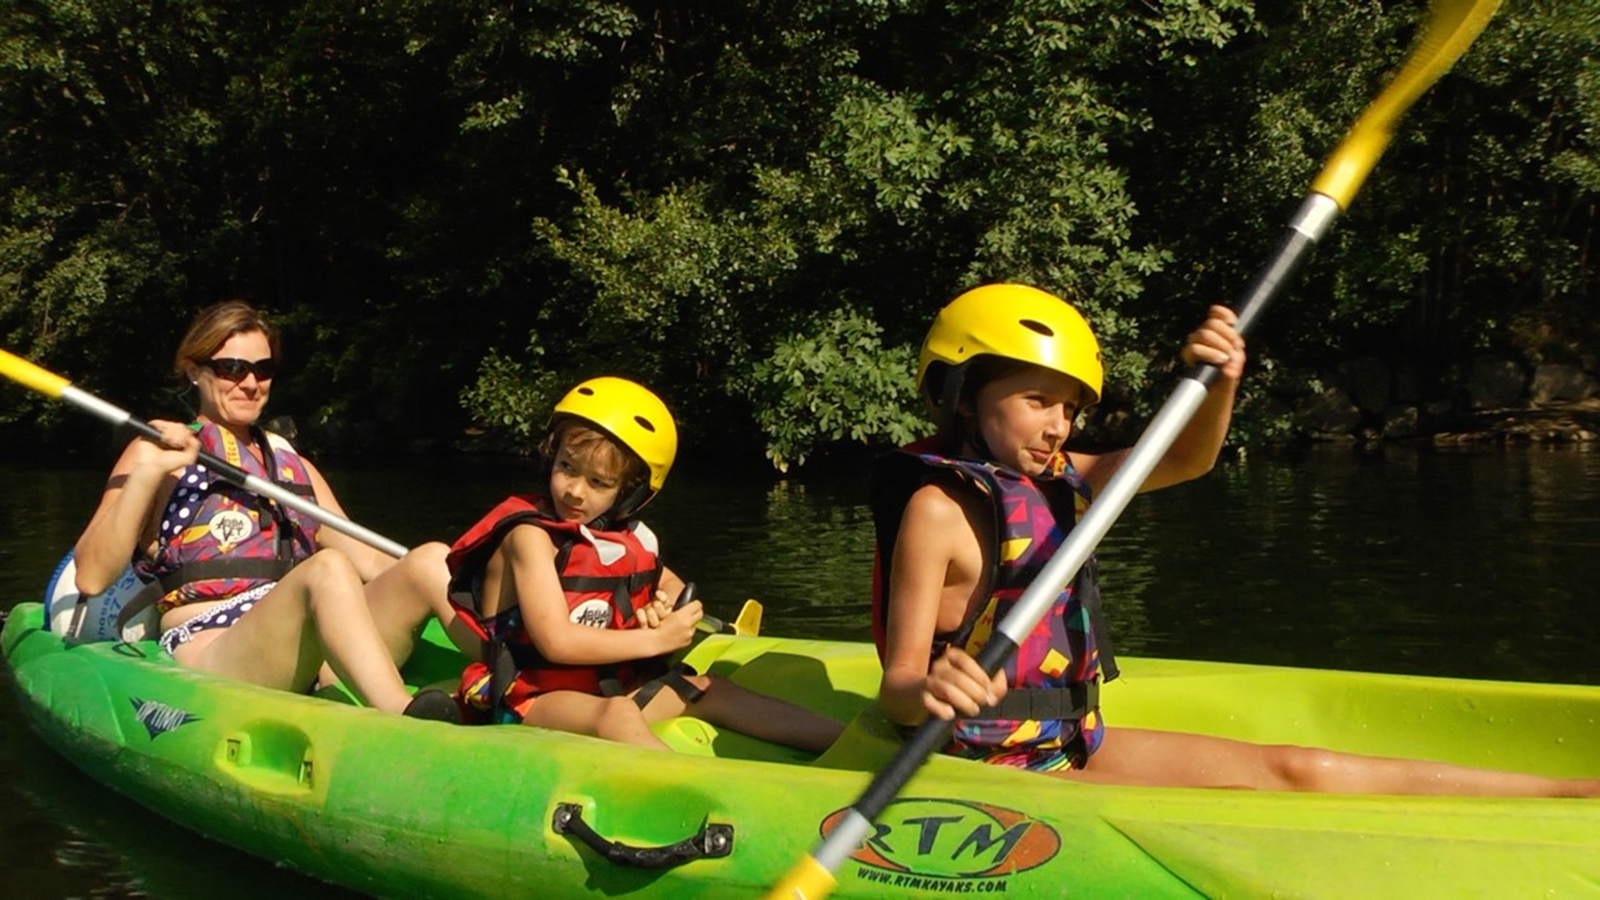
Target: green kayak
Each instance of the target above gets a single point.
(405, 808)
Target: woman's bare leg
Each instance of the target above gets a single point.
(317, 612)
(1172, 759)
(613, 718)
(728, 705)
(408, 594)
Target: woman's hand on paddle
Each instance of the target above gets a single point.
(1218, 343)
(177, 448)
(957, 686)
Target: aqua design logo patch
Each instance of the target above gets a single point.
(939, 845)
(159, 718)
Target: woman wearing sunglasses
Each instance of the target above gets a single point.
(250, 589)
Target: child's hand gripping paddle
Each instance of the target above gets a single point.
(748, 624)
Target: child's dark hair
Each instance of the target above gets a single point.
(972, 376)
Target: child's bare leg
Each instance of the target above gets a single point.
(1173, 759)
(728, 705)
(613, 718)
(316, 613)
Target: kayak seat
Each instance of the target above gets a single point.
(869, 741)
(835, 679)
(697, 737)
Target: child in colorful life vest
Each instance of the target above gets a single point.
(573, 604)
(966, 519)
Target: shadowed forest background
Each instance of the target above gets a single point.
(457, 209)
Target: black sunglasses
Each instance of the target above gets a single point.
(235, 370)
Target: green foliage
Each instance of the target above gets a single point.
(687, 195)
(834, 382)
(513, 397)
(1478, 211)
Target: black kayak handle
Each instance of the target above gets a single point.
(711, 842)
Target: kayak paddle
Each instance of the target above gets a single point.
(1452, 27)
(52, 385)
(748, 624)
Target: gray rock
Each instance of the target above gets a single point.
(1494, 383)
(1401, 422)
(1554, 383)
(1371, 383)
(1328, 413)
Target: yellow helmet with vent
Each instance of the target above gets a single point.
(1013, 321)
(634, 416)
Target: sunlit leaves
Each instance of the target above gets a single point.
(834, 381)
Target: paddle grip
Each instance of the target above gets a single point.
(1294, 249)
(994, 653)
(685, 595)
(929, 738)
(708, 624)
(229, 472)
(238, 476)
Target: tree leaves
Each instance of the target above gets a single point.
(480, 202)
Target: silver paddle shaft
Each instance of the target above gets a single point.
(118, 416)
(1315, 216)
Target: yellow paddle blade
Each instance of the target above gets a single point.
(29, 375)
(1451, 29)
(749, 622)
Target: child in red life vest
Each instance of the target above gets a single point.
(569, 592)
(966, 520)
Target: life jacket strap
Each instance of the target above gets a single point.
(498, 656)
(620, 587)
(223, 567)
(1074, 701)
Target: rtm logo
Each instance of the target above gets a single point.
(953, 839)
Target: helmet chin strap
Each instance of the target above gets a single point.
(624, 508)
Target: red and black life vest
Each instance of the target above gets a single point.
(1054, 676)
(216, 539)
(605, 575)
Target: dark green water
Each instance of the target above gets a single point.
(1479, 563)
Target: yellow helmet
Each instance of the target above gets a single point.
(633, 415)
(1016, 322)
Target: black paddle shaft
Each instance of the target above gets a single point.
(1269, 282)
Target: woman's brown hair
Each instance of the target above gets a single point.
(213, 326)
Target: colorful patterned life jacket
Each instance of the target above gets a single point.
(605, 575)
(1053, 679)
(217, 539)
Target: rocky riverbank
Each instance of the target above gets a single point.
(1497, 400)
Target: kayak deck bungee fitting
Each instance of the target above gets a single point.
(405, 808)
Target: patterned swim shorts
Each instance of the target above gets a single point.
(1031, 758)
(223, 615)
